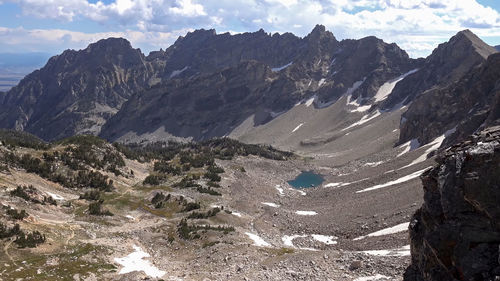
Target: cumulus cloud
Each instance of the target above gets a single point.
(49, 40)
(416, 25)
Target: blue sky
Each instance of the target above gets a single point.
(415, 25)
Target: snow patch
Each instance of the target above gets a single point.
(434, 145)
(178, 72)
(277, 69)
(328, 240)
(372, 278)
(55, 196)
(306, 213)
(257, 241)
(236, 214)
(364, 119)
(298, 127)
(310, 101)
(397, 181)
(270, 204)
(280, 190)
(130, 217)
(354, 87)
(336, 184)
(409, 146)
(136, 262)
(321, 82)
(400, 252)
(386, 231)
(386, 89)
(288, 239)
(300, 192)
(373, 164)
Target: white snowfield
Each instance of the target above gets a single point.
(310, 101)
(363, 120)
(397, 181)
(433, 146)
(409, 146)
(288, 240)
(236, 214)
(386, 231)
(298, 127)
(306, 213)
(373, 164)
(280, 190)
(136, 262)
(55, 196)
(130, 217)
(277, 69)
(385, 90)
(337, 184)
(340, 184)
(257, 241)
(328, 240)
(400, 252)
(321, 82)
(178, 72)
(270, 204)
(372, 278)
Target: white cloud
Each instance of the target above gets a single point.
(188, 9)
(415, 25)
(56, 40)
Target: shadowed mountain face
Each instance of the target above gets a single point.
(448, 63)
(206, 85)
(462, 107)
(207, 105)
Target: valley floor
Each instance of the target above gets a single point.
(352, 227)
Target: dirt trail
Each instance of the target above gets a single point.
(6, 250)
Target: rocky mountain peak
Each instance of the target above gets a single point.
(319, 32)
(461, 45)
(109, 43)
(198, 35)
(447, 64)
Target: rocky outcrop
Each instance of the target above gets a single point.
(462, 107)
(77, 91)
(455, 235)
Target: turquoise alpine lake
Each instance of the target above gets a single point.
(306, 179)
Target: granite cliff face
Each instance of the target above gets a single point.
(77, 91)
(455, 235)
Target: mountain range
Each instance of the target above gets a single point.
(207, 85)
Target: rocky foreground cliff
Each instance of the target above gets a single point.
(455, 235)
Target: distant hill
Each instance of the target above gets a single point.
(497, 47)
(14, 66)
